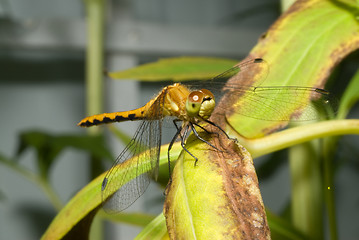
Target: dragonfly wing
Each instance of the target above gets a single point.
(281, 103)
(244, 73)
(246, 94)
(130, 175)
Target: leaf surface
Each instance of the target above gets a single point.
(177, 69)
(350, 97)
(301, 48)
(218, 198)
(156, 230)
(77, 215)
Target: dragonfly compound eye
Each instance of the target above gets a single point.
(200, 104)
(193, 103)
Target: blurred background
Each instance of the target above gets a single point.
(42, 87)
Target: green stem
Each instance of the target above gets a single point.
(94, 58)
(94, 66)
(51, 194)
(306, 189)
(297, 135)
(95, 10)
(307, 171)
(328, 153)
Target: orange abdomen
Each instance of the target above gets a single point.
(98, 119)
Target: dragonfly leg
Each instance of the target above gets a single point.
(184, 145)
(215, 125)
(179, 129)
(183, 137)
(200, 138)
(208, 132)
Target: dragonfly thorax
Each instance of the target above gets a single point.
(200, 104)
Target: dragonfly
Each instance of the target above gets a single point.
(191, 107)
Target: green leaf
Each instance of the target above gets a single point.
(46, 151)
(156, 230)
(301, 48)
(87, 201)
(350, 97)
(77, 215)
(135, 219)
(216, 196)
(177, 69)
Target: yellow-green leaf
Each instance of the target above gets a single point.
(135, 219)
(218, 198)
(177, 69)
(77, 215)
(301, 49)
(156, 230)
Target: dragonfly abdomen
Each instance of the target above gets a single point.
(103, 118)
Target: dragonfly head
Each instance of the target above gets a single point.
(200, 104)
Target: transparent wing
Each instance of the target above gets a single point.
(244, 73)
(239, 76)
(272, 103)
(132, 171)
(281, 103)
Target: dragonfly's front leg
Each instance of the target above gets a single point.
(204, 129)
(200, 138)
(215, 125)
(183, 138)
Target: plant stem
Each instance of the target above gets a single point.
(330, 145)
(290, 137)
(51, 194)
(43, 183)
(94, 58)
(95, 10)
(94, 66)
(306, 188)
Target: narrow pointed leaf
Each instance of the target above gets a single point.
(135, 219)
(156, 230)
(78, 213)
(177, 69)
(350, 97)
